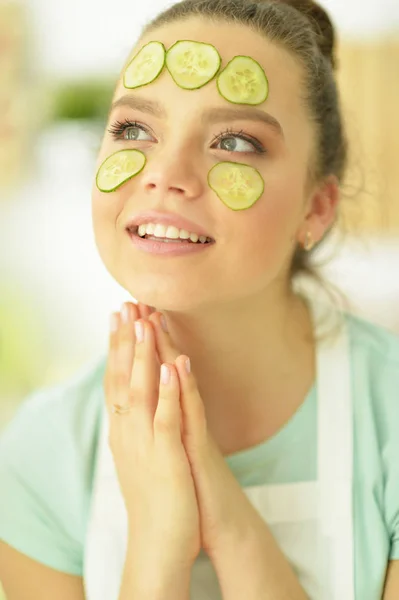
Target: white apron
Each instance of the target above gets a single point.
(312, 521)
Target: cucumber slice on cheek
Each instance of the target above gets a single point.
(192, 64)
(146, 65)
(119, 168)
(238, 186)
(243, 81)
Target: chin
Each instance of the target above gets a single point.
(163, 289)
(165, 295)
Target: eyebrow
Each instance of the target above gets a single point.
(210, 116)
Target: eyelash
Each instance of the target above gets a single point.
(119, 127)
(259, 149)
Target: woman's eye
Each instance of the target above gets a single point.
(228, 141)
(133, 133)
(239, 143)
(130, 131)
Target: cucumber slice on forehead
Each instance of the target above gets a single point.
(119, 168)
(243, 81)
(238, 186)
(192, 64)
(146, 65)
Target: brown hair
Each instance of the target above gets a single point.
(304, 29)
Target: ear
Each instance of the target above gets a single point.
(321, 209)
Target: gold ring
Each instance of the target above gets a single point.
(121, 410)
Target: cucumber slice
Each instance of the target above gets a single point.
(119, 168)
(146, 65)
(238, 186)
(243, 81)
(192, 64)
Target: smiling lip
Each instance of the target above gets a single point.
(154, 216)
(167, 248)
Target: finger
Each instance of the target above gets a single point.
(115, 320)
(121, 355)
(167, 419)
(166, 350)
(144, 385)
(120, 359)
(133, 309)
(126, 343)
(108, 380)
(144, 313)
(192, 406)
(144, 310)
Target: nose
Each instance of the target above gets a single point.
(173, 174)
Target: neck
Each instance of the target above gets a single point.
(250, 355)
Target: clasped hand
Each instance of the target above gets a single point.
(178, 490)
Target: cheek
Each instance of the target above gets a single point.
(106, 209)
(265, 235)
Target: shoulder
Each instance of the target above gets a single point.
(372, 340)
(375, 384)
(375, 358)
(59, 414)
(375, 369)
(47, 460)
(373, 349)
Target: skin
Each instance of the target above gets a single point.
(248, 336)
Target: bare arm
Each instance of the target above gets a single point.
(25, 579)
(145, 577)
(255, 568)
(391, 591)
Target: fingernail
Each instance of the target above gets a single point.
(164, 324)
(125, 313)
(187, 364)
(139, 329)
(165, 374)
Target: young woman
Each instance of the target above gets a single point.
(269, 470)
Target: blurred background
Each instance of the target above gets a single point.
(58, 65)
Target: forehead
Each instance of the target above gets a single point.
(230, 39)
(283, 71)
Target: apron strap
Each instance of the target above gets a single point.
(335, 452)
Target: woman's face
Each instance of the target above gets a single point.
(254, 246)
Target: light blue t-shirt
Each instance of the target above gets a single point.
(48, 452)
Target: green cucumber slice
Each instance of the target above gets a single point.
(119, 168)
(243, 81)
(145, 66)
(192, 64)
(238, 186)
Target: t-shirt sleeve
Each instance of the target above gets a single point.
(376, 356)
(392, 481)
(46, 464)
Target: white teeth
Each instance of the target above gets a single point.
(150, 228)
(164, 231)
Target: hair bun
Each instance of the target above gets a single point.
(322, 25)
